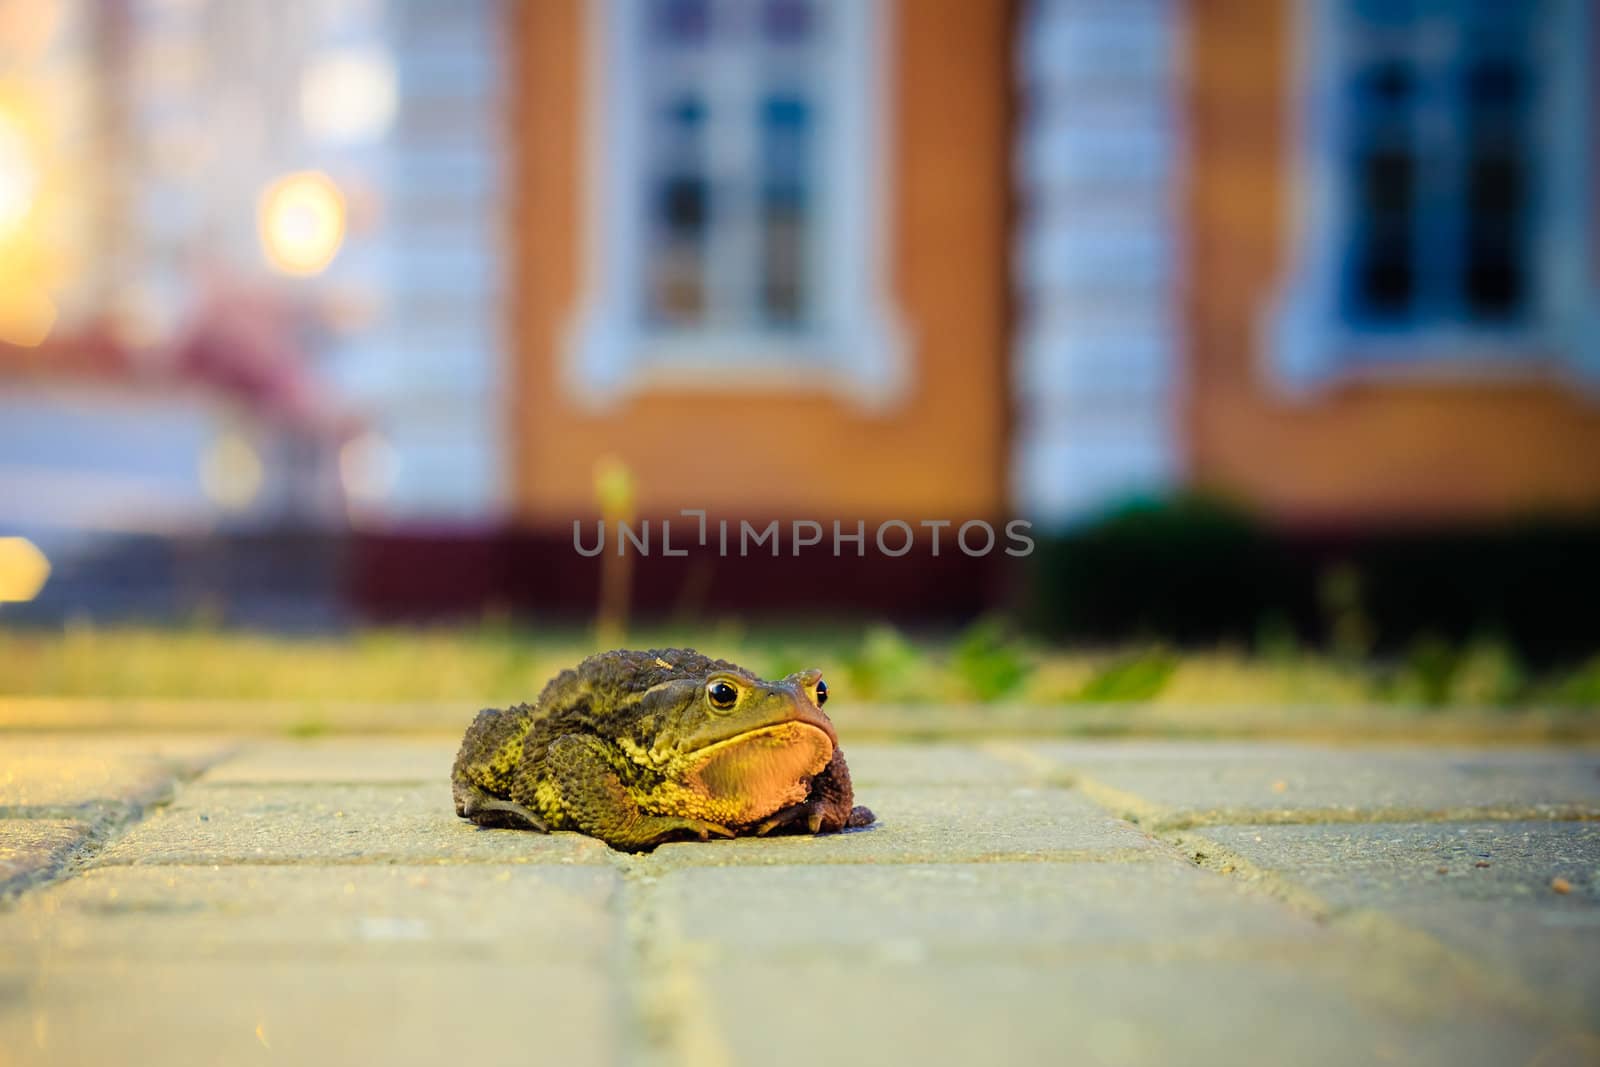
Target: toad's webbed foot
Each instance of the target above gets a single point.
(493, 812)
(810, 815)
(816, 817)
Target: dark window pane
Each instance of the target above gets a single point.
(1495, 284)
(1382, 283)
(1382, 13)
(1495, 279)
(1386, 280)
(682, 209)
(1496, 91)
(1387, 184)
(681, 22)
(677, 266)
(787, 22)
(686, 115)
(678, 209)
(1391, 84)
(1495, 84)
(785, 207)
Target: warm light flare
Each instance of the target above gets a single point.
(301, 222)
(27, 315)
(23, 570)
(614, 488)
(19, 175)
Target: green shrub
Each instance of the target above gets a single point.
(1139, 677)
(1489, 674)
(990, 663)
(1428, 672)
(1578, 688)
(885, 666)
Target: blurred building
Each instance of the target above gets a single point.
(422, 265)
(1390, 218)
(765, 256)
(1333, 259)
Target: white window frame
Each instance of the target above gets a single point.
(1308, 344)
(856, 346)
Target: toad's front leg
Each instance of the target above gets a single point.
(600, 805)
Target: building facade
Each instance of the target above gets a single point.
(1333, 260)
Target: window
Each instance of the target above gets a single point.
(1446, 154)
(729, 103)
(737, 150)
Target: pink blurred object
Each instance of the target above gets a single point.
(247, 340)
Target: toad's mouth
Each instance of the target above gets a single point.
(764, 769)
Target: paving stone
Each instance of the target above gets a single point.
(426, 1012)
(32, 849)
(1128, 963)
(1223, 781)
(1505, 914)
(340, 759)
(1138, 962)
(252, 912)
(319, 901)
(67, 772)
(932, 912)
(1302, 1010)
(932, 824)
(332, 823)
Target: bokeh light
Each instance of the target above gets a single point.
(614, 488)
(19, 175)
(231, 472)
(349, 95)
(302, 221)
(23, 570)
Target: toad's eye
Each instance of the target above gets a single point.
(822, 692)
(723, 695)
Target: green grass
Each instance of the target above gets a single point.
(985, 664)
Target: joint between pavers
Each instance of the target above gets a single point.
(1040, 770)
(1206, 853)
(1383, 932)
(92, 813)
(1129, 807)
(1365, 816)
(663, 996)
(97, 832)
(1179, 830)
(104, 821)
(1159, 819)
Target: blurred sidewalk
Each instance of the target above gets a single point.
(198, 899)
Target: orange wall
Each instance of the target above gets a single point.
(1457, 449)
(791, 450)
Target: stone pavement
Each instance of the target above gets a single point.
(196, 900)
